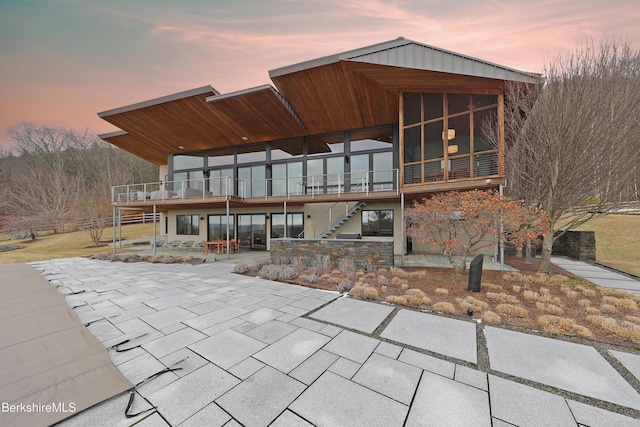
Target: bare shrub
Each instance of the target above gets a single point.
(396, 271)
(313, 278)
(618, 293)
(395, 299)
(490, 287)
(261, 262)
(382, 270)
(627, 329)
(383, 289)
(549, 308)
(543, 296)
(444, 307)
(336, 273)
(516, 288)
(560, 325)
(277, 272)
(588, 292)
(471, 303)
(321, 264)
(298, 263)
(623, 304)
(441, 291)
(491, 318)
(344, 286)
(325, 276)
(512, 310)
(383, 280)
(348, 268)
(633, 319)
(593, 311)
(241, 268)
(335, 280)
(584, 302)
(417, 297)
(502, 297)
(608, 308)
(364, 292)
(397, 281)
(405, 286)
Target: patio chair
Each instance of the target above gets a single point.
(161, 243)
(187, 245)
(200, 245)
(174, 244)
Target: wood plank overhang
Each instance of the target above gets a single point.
(201, 119)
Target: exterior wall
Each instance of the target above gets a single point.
(577, 245)
(380, 253)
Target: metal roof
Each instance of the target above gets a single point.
(407, 53)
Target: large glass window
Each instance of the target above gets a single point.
(188, 161)
(251, 181)
(294, 225)
(217, 227)
(219, 182)
(377, 223)
(188, 225)
(443, 144)
(252, 231)
(286, 178)
(252, 153)
(221, 157)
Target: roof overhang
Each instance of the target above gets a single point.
(351, 90)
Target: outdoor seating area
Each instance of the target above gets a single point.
(220, 246)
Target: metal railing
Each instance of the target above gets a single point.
(312, 185)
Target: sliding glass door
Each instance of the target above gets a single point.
(252, 231)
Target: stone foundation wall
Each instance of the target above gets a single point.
(379, 253)
(576, 244)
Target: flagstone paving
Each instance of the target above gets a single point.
(252, 352)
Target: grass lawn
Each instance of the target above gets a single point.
(65, 245)
(617, 241)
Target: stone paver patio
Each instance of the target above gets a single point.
(259, 353)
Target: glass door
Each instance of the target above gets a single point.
(252, 231)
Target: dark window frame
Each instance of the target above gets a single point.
(186, 228)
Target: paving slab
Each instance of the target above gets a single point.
(141, 367)
(354, 314)
(451, 337)
(524, 406)
(573, 367)
(390, 350)
(292, 350)
(336, 401)
(428, 363)
(352, 346)
(289, 419)
(272, 331)
(630, 361)
(185, 397)
(246, 368)
(472, 377)
(592, 416)
(109, 413)
(345, 368)
(440, 401)
(261, 315)
(309, 370)
(208, 320)
(258, 400)
(184, 359)
(227, 348)
(173, 342)
(211, 416)
(389, 377)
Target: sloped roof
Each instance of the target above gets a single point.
(350, 90)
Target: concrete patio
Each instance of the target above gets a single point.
(254, 352)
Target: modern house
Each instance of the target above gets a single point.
(338, 145)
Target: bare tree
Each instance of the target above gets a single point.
(573, 142)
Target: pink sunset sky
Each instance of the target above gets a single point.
(62, 61)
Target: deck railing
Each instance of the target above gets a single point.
(290, 187)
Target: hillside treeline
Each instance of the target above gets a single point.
(55, 179)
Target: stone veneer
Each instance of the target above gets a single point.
(379, 253)
(576, 244)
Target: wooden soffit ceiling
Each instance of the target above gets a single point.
(201, 120)
(352, 95)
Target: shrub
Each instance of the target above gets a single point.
(383, 289)
(395, 299)
(471, 303)
(383, 280)
(560, 325)
(633, 319)
(549, 308)
(405, 286)
(364, 292)
(277, 272)
(584, 302)
(623, 304)
(516, 288)
(512, 310)
(344, 286)
(241, 268)
(444, 307)
(490, 318)
(441, 291)
(417, 297)
(608, 308)
(336, 273)
(261, 262)
(313, 278)
(502, 297)
(348, 268)
(298, 263)
(321, 264)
